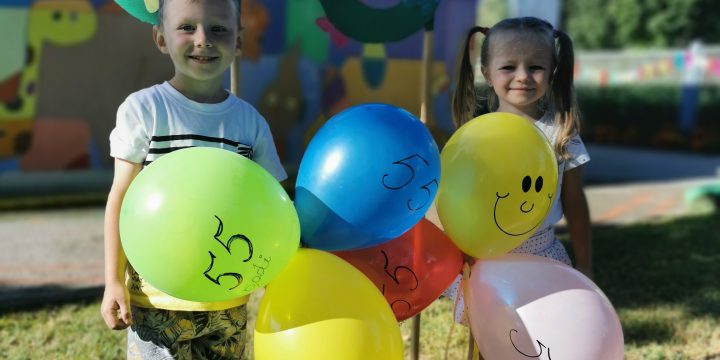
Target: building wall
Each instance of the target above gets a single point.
(72, 62)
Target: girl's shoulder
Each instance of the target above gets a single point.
(546, 124)
(548, 119)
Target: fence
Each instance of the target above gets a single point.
(697, 65)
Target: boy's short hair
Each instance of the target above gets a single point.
(161, 3)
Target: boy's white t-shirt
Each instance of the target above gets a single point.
(158, 120)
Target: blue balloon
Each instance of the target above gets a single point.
(368, 175)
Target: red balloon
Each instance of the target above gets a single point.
(411, 270)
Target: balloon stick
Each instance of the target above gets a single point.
(424, 110)
(425, 77)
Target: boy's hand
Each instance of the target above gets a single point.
(116, 297)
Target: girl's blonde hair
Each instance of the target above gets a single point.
(560, 99)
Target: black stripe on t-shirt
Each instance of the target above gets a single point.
(194, 137)
(242, 150)
(245, 151)
(166, 150)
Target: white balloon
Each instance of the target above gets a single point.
(529, 307)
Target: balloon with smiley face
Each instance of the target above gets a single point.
(499, 179)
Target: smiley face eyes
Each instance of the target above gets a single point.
(527, 183)
(538, 184)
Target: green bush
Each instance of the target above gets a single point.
(648, 116)
(644, 117)
(617, 24)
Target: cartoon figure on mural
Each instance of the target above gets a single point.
(282, 40)
(382, 65)
(60, 23)
(255, 19)
(282, 101)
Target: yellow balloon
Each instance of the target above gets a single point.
(322, 307)
(349, 340)
(498, 181)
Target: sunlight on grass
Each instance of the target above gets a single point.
(76, 331)
(662, 278)
(73, 331)
(668, 332)
(436, 323)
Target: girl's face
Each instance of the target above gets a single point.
(519, 70)
(201, 37)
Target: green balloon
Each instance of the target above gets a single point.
(375, 25)
(205, 224)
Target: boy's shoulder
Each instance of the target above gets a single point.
(147, 94)
(245, 107)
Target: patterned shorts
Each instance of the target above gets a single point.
(165, 334)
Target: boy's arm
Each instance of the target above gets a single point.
(265, 154)
(577, 214)
(116, 297)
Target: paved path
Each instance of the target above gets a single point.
(50, 255)
(59, 253)
(619, 204)
(630, 203)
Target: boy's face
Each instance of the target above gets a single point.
(201, 37)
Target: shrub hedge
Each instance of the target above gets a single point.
(648, 117)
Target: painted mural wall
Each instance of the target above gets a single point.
(72, 62)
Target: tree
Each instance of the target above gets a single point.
(491, 12)
(616, 24)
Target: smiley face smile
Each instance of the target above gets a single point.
(526, 207)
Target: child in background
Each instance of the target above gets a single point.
(202, 37)
(528, 69)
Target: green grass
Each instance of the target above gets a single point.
(664, 281)
(663, 278)
(73, 331)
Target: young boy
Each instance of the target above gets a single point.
(192, 109)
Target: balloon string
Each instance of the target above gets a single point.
(449, 337)
(462, 286)
(466, 290)
(476, 352)
(465, 287)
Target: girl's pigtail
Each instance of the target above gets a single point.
(563, 77)
(566, 111)
(463, 98)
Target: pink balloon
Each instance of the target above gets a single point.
(524, 306)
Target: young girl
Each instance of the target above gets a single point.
(528, 69)
(201, 37)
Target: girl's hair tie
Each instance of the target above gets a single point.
(556, 33)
